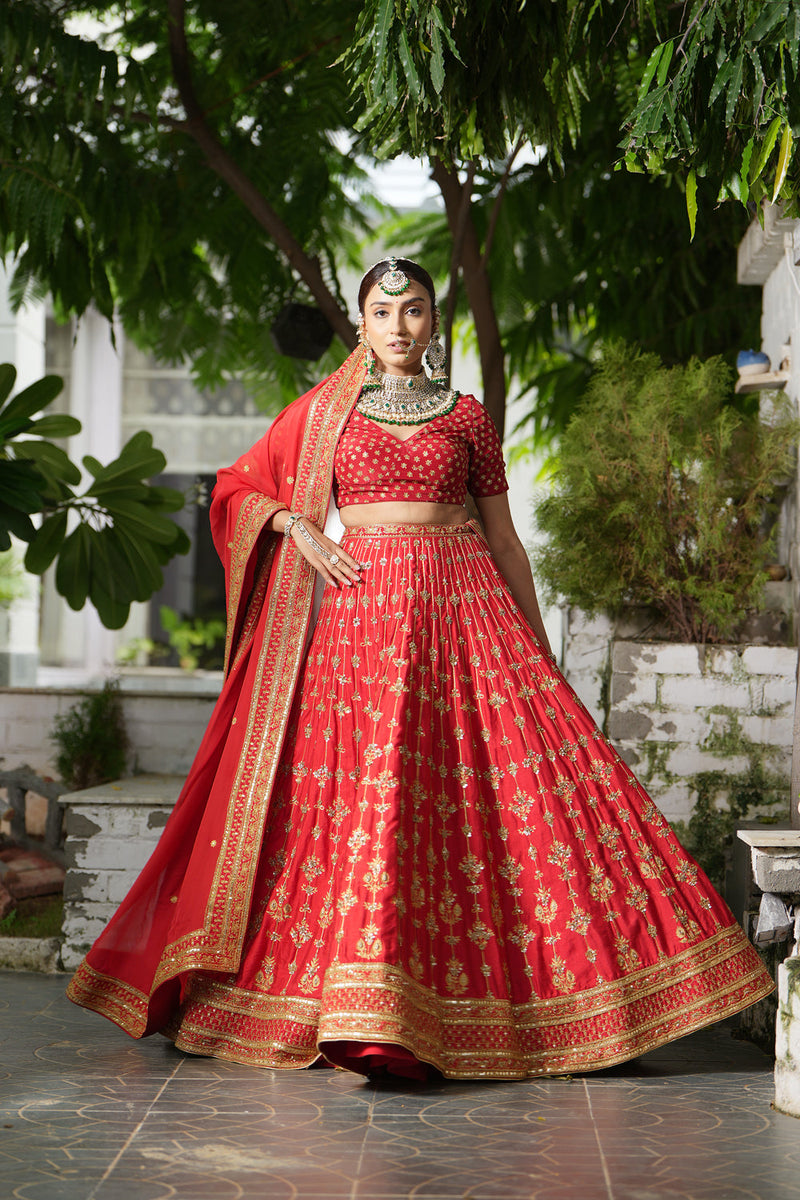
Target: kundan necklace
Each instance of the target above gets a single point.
(404, 399)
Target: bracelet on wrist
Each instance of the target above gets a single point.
(305, 535)
(290, 522)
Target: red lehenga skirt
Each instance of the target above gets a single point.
(459, 870)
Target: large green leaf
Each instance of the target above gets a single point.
(8, 376)
(137, 460)
(784, 158)
(51, 461)
(164, 498)
(46, 543)
(16, 414)
(127, 577)
(55, 425)
(180, 545)
(140, 520)
(14, 521)
(20, 485)
(121, 488)
(113, 612)
(73, 570)
(143, 561)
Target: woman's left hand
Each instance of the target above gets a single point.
(327, 557)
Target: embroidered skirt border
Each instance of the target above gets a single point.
(469, 1039)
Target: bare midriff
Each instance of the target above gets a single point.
(402, 512)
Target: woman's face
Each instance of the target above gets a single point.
(398, 328)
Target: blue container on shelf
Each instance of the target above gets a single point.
(752, 362)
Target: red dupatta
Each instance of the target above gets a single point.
(188, 909)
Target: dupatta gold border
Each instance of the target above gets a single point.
(253, 515)
(217, 945)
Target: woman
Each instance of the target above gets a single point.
(404, 844)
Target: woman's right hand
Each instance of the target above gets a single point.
(320, 551)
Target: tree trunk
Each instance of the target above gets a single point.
(479, 295)
(240, 183)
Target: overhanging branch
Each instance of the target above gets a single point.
(221, 162)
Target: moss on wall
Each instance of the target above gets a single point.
(725, 800)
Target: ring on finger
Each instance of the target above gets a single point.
(334, 559)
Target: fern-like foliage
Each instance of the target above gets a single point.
(719, 101)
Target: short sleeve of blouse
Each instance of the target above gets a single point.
(487, 471)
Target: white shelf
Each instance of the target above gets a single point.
(770, 839)
(768, 381)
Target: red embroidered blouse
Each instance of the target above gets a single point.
(451, 455)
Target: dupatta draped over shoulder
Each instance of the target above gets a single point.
(188, 909)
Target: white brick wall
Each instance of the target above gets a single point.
(164, 727)
(689, 698)
(111, 832)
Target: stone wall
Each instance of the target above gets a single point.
(165, 729)
(686, 717)
(164, 726)
(716, 719)
(111, 831)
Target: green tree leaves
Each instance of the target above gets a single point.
(106, 198)
(729, 104)
(109, 542)
(459, 79)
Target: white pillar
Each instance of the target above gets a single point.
(79, 639)
(21, 343)
(787, 1039)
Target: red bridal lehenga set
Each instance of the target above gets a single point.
(405, 843)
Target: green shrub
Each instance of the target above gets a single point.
(665, 495)
(192, 638)
(92, 740)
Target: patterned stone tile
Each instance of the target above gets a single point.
(87, 1114)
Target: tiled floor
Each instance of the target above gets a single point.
(87, 1114)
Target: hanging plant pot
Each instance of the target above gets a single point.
(301, 331)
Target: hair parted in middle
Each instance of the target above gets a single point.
(411, 269)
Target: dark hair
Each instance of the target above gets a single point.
(411, 269)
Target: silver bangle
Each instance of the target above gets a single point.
(292, 518)
(313, 543)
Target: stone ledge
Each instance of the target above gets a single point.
(153, 790)
(768, 838)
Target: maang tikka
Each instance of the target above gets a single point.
(394, 281)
